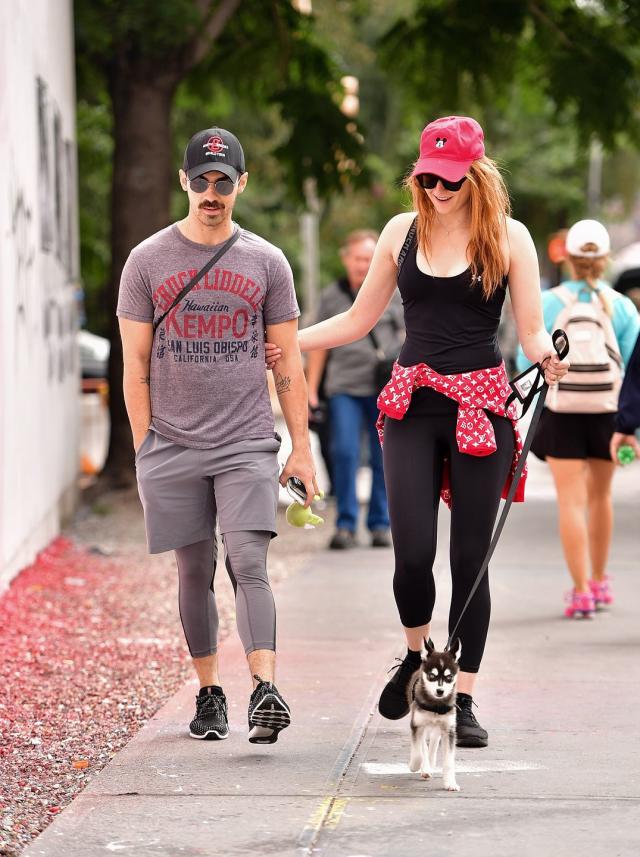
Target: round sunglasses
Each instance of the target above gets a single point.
(224, 186)
(430, 180)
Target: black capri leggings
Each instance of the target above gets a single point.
(414, 450)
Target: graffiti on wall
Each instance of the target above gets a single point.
(22, 238)
(57, 187)
(46, 303)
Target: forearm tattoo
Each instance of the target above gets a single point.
(283, 384)
(146, 380)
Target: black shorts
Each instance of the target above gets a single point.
(573, 435)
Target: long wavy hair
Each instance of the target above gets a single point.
(490, 206)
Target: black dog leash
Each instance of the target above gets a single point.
(524, 390)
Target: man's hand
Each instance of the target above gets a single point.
(619, 440)
(291, 388)
(300, 464)
(138, 439)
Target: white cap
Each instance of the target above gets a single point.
(587, 232)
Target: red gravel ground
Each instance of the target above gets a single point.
(90, 647)
(88, 652)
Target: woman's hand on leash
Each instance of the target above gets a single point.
(554, 368)
(272, 353)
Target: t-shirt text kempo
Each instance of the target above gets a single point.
(208, 379)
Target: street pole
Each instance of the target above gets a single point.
(594, 189)
(310, 218)
(310, 240)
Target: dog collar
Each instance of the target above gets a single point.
(435, 708)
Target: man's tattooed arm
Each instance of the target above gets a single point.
(146, 380)
(283, 384)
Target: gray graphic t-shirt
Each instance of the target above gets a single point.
(208, 378)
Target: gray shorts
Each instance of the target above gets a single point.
(184, 490)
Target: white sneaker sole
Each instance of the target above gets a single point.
(270, 717)
(211, 735)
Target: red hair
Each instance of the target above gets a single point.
(490, 207)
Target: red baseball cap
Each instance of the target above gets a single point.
(449, 146)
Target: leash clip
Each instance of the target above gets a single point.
(526, 386)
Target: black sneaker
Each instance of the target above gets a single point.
(468, 730)
(210, 722)
(393, 703)
(342, 540)
(380, 539)
(268, 713)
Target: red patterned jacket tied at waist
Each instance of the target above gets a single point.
(475, 392)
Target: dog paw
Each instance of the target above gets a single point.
(452, 787)
(415, 765)
(426, 775)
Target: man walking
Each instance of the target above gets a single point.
(350, 386)
(203, 431)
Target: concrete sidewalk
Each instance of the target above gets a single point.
(560, 699)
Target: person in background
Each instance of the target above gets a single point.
(319, 424)
(508, 337)
(351, 392)
(627, 421)
(576, 427)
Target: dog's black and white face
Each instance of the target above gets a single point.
(439, 671)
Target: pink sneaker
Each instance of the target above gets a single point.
(579, 604)
(601, 591)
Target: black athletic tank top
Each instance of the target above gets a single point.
(450, 326)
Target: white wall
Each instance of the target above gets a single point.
(38, 277)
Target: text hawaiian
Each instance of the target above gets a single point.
(218, 280)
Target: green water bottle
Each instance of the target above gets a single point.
(626, 454)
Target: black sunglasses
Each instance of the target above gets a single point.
(429, 181)
(224, 187)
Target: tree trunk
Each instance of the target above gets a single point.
(140, 205)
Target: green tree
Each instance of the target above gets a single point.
(536, 75)
(583, 56)
(139, 52)
(544, 78)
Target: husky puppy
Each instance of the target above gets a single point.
(432, 704)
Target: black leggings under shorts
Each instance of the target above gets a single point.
(414, 450)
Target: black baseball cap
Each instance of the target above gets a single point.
(214, 149)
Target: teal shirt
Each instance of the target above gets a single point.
(625, 320)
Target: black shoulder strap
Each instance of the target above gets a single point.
(216, 256)
(408, 243)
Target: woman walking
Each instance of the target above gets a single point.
(575, 429)
(452, 259)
